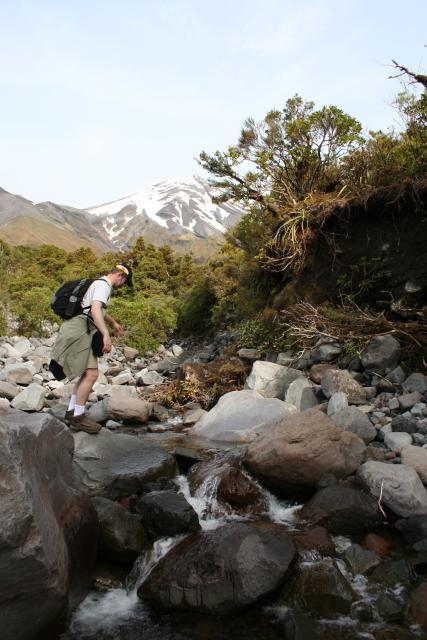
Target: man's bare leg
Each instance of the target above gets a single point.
(84, 386)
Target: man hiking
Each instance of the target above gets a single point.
(73, 353)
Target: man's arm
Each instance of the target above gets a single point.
(117, 328)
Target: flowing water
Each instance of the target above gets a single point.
(119, 614)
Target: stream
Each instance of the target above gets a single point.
(119, 614)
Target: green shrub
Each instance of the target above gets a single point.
(147, 321)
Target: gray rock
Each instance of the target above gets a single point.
(343, 510)
(30, 399)
(337, 402)
(285, 358)
(18, 374)
(9, 390)
(419, 409)
(122, 535)
(323, 589)
(271, 380)
(221, 570)
(164, 366)
(384, 431)
(396, 441)
(407, 424)
(239, 416)
(415, 382)
(48, 529)
(382, 354)
(130, 353)
(117, 464)
(351, 419)
(125, 377)
(112, 424)
(396, 375)
(408, 400)
(325, 352)
(23, 346)
(334, 380)
(193, 416)
(150, 377)
(177, 350)
(416, 458)
(401, 487)
(98, 412)
(301, 394)
(248, 354)
(123, 392)
(167, 513)
(361, 560)
(393, 405)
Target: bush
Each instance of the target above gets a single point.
(32, 310)
(147, 321)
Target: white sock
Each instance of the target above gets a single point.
(72, 402)
(79, 409)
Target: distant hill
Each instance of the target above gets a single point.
(177, 212)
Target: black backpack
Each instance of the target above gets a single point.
(67, 301)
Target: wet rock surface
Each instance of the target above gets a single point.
(221, 570)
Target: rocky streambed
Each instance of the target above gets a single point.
(294, 508)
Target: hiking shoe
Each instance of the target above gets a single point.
(68, 415)
(84, 423)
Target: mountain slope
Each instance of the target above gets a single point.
(22, 222)
(170, 211)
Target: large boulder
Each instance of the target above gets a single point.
(122, 535)
(334, 380)
(221, 570)
(295, 453)
(48, 529)
(382, 354)
(271, 380)
(239, 416)
(167, 513)
(117, 465)
(399, 486)
(342, 510)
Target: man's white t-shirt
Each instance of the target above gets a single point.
(98, 290)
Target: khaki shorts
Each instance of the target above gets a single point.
(92, 361)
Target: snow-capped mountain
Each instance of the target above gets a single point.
(177, 212)
(173, 207)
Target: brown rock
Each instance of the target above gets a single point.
(334, 380)
(128, 409)
(316, 538)
(223, 479)
(418, 605)
(317, 371)
(296, 452)
(377, 543)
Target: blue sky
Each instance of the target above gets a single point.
(100, 98)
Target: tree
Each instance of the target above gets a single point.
(291, 153)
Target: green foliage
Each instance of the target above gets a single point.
(147, 321)
(292, 152)
(195, 310)
(33, 311)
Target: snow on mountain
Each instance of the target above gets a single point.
(180, 205)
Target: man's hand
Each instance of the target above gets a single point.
(107, 343)
(118, 330)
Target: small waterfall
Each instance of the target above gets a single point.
(107, 611)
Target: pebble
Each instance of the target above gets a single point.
(418, 409)
(407, 400)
